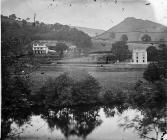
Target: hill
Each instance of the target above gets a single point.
(90, 31)
(134, 29)
(29, 31)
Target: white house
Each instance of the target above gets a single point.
(139, 56)
(139, 51)
(40, 48)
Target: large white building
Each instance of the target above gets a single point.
(40, 48)
(139, 51)
(139, 56)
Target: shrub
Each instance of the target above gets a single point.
(154, 72)
(69, 89)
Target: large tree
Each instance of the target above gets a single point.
(163, 52)
(154, 72)
(121, 51)
(124, 38)
(146, 38)
(152, 53)
(61, 47)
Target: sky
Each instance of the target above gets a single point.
(99, 14)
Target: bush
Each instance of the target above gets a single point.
(114, 97)
(154, 72)
(70, 89)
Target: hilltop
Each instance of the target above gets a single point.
(134, 29)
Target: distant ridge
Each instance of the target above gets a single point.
(90, 31)
(135, 29)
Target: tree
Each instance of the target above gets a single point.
(163, 52)
(24, 22)
(12, 16)
(146, 38)
(150, 99)
(75, 88)
(154, 72)
(15, 88)
(152, 53)
(121, 51)
(124, 38)
(61, 47)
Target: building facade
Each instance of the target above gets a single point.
(139, 56)
(40, 48)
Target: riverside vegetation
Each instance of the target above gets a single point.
(78, 96)
(72, 101)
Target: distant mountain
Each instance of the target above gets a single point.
(134, 29)
(90, 31)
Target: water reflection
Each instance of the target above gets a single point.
(82, 121)
(77, 121)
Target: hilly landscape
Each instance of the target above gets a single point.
(29, 31)
(90, 31)
(134, 29)
(94, 39)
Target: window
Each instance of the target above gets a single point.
(137, 61)
(143, 54)
(143, 61)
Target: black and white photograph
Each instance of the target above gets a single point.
(83, 70)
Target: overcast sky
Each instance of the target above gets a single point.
(101, 14)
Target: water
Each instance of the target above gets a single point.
(100, 126)
(86, 116)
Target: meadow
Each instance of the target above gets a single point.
(124, 80)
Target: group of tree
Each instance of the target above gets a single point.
(45, 31)
(120, 49)
(149, 96)
(15, 87)
(69, 90)
(156, 54)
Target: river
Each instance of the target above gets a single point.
(109, 129)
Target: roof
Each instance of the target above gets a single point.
(52, 42)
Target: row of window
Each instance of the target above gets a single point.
(138, 61)
(38, 48)
(39, 52)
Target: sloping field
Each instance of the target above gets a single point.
(123, 79)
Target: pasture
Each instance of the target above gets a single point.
(124, 80)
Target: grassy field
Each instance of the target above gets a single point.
(108, 80)
(119, 80)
